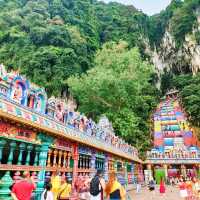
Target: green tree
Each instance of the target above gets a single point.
(119, 86)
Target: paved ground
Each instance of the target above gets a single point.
(171, 194)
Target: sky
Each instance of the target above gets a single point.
(149, 7)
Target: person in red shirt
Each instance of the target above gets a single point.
(22, 190)
(183, 189)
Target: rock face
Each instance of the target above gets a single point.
(185, 58)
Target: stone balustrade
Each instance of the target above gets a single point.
(43, 121)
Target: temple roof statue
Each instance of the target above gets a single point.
(105, 124)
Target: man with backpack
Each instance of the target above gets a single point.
(97, 186)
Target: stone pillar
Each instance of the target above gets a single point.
(126, 172)
(100, 163)
(46, 141)
(68, 159)
(5, 183)
(97, 163)
(86, 162)
(115, 166)
(75, 156)
(64, 159)
(60, 157)
(21, 150)
(55, 153)
(49, 158)
(89, 161)
(93, 162)
(41, 174)
(166, 170)
(12, 148)
(36, 160)
(29, 148)
(132, 172)
(106, 170)
(2, 143)
(141, 172)
(83, 161)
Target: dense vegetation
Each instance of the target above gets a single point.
(96, 51)
(120, 86)
(159, 23)
(189, 87)
(51, 40)
(180, 17)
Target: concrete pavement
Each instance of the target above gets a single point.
(172, 193)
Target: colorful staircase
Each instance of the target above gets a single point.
(172, 135)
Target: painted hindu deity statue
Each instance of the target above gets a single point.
(38, 105)
(59, 113)
(31, 101)
(17, 94)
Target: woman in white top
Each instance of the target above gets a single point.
(47, 194)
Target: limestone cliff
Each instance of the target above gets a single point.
(182, 58)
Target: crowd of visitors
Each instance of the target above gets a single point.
(59, 188)
(189, 188)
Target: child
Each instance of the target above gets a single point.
(47, 194)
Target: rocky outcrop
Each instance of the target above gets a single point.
(185, 58)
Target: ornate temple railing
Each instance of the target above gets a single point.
(173, 161)
(13, 111)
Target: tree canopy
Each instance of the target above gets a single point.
(188, 85)
(50, 40)
(121, 87)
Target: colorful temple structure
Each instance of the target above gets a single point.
(44, 135)
(175, 151)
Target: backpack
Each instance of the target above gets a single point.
(151, 184)
(94, 186)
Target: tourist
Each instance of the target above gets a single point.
(47, 194)
(97, 186)
(65, 190)
(162, 186)
(23, 189)
(85, 189)
(196, 188)
(114, 190)
(138, 186)
(189, 188)
(152, 187)
(183, 189)
(151, 184)
(56, 183)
